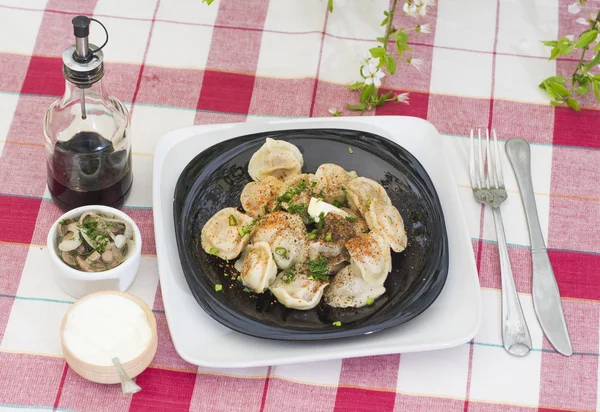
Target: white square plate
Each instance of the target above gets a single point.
(451, 320)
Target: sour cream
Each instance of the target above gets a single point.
(107, 326)
(316, 207)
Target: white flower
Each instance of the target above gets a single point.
(574, 8)
(581, 20)
(415, 8)
(334, 112)
(372, 74)
(401, 98)
(424, 28)
(416, 62)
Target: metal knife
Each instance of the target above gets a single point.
(546, 297)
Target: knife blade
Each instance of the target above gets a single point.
(544, 289)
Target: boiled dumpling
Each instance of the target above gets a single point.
(386, 220)
(257, 266)
(330, 179)
(295, 290)
(275, 158)
(370, 257)
(361, 191)
(222, 234)
(334, 252)
(258, 196)
(286, 235)
(294, 195)
(348, 289)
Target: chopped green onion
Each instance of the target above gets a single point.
(281, 251)
(313, 234)
(218, 287)
(232, 220)
(313, 184)
(370, 301)
(337, 323)
(266, 209)
(213, 251)
(337, 203)
(225, 274)
(391, 221)
(350, 150)
(243, 231)
(351, 219)
(368, 203)
(328, 237)
(288, 275)
(248, 290)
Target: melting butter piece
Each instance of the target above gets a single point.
(316, 207)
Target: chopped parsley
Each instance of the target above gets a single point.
(313, 184)
(337, 323)
(328, 237)
(212, 251)
(337, 203)
(232, 220)
(321, 221)
(218, 287)
(289, 195)
(370, 301)
(344, 189)
(266, 209)
(248, 290)
(63, 222)
(283, 252)
(298, 209)
(350, 150)
(90, 229)
(317, 269)
(351, 219)
(288, 275)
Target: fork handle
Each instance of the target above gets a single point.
(515, 334)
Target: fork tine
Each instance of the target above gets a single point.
(499, 173)
(491, 170)
(472, 162)
(482, 176)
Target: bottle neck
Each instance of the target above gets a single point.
(75, 92)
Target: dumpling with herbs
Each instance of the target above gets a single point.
(257, 267)
(330, 179)
(286, 235)
(370, 257)
(295, 193)
(361, 191)
(386, 220)
(258, 198)
(297, 289)
(226, 233)
(348, 289)
(276, 158)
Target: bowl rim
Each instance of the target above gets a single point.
(109, 369)
(80, 274)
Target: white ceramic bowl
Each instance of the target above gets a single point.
(109, 374)
(78, 283)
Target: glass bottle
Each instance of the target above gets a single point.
(87, 140)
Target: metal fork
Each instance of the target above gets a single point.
(488, 188)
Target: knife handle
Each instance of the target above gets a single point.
(544, 289)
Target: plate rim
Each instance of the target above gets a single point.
(173, 138)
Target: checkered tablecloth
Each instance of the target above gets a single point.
(177, 63)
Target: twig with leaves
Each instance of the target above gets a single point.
(583, 81)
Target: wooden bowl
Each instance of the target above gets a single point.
(108, 374)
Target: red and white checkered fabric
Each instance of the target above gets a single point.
(179, 62)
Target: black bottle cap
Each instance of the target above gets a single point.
(81, 26)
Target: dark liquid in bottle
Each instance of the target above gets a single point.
(87, 170)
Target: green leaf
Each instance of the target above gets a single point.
(356, 86)
(555, 103)
(402, 42)
(557, 79)
(586, 38)
(557, 87)
(377, 51)
(572, 103)
(581, 90)
(329, 6)
(384, 21)
(597, 48)
(380, 39)
(209, 2)
(383, 98)
(597, 90)
(390, 64)
(550, 43)
(593, 62)
(360, 106)
(563, 47)
(364, 94)
(597, 77)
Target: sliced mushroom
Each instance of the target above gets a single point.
(69, 242)
(107, 256)
(120, 241)
(94, 256)
(117, 255)
(69, 259)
